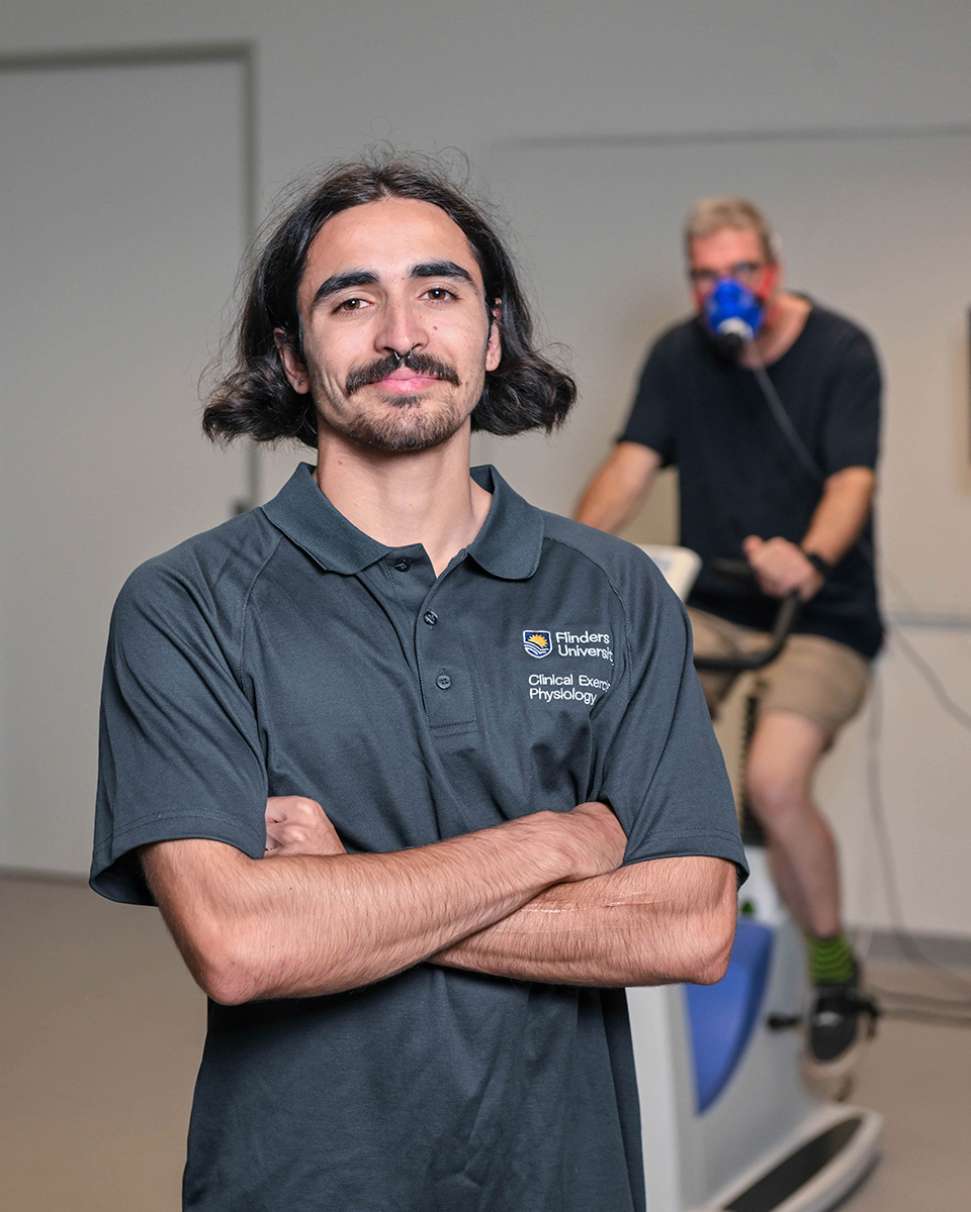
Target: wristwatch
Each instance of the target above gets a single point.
(822, 566)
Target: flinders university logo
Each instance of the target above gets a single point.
(538, 644)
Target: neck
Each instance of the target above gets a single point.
(785, 319)
(401, 499)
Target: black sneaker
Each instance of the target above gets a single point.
(836, 1032)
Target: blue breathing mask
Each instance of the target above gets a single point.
(733, 314)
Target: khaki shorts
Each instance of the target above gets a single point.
(814, 677)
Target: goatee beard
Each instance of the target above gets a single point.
(393, 435)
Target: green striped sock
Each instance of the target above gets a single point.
(830, 959)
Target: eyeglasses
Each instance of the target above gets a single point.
(745, 272)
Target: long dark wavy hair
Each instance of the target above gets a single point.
(526, 391)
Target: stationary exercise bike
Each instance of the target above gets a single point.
(728, 1123)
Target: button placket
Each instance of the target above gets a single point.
(449, 700)
(410, 577)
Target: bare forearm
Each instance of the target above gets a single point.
(618, 487)
(649, 924)
(841, 513)
(374, 915)
(306, 925)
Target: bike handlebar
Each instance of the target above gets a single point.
(785, 619)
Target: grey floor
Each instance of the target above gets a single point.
(101, 1030)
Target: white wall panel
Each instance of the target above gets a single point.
(121, 225)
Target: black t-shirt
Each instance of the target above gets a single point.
(739, 474)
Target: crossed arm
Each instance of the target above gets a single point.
(541, 897)
(648, 924)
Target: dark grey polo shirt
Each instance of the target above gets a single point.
(287, 652)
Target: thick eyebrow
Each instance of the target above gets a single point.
(367, 277)
(441, 269)
(336, 282)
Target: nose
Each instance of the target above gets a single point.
(402, 328)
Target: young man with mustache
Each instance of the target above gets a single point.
(494, 794)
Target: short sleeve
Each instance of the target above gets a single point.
(851, 433)
(179, 749)
(664, 775)
(652, 415)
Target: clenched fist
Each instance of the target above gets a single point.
(298, 825)
(780, 567)
(597, 837)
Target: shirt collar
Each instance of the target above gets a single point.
(508, 544)
(510, 540)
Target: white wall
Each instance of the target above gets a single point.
(450, 72)
(113, 278)
(334, 77)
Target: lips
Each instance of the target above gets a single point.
(406, 382)
(402, 376)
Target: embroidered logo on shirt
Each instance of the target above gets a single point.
(585, 644)
(538, 644)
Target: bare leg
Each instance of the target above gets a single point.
(785, 752)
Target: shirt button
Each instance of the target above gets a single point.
(443, 681)
(430, 617)
(402, 565)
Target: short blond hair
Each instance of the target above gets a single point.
(714, 214)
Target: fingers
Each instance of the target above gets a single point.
(751, 546)
(285, 834)
(292, 808)
(284, 839)
(297, 825)
(758, 552)
(780, 567)
(611, 832)
(597, 808)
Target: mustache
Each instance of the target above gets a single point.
(421, 364)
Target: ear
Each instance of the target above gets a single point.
(293, 366)
(494, 346)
